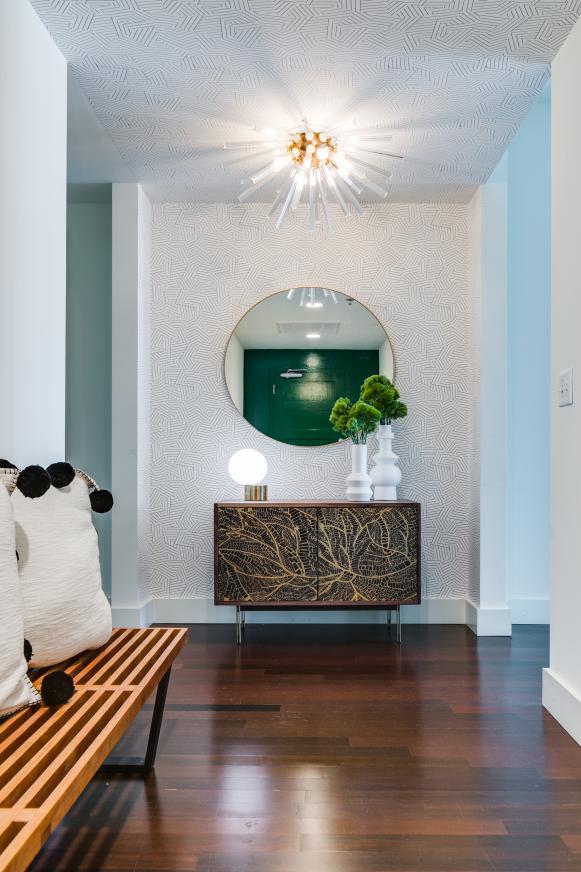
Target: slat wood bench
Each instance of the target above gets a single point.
(48, 756)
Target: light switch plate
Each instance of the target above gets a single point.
(565, 387)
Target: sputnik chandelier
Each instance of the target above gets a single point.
(319, 167)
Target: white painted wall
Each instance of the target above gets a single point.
(88, 411)
(511, 265)
(529, 366)
(130, 416)
(489, 614)
(474, 303)
(234, 371)
(562, 681)
(143, 394)
(33, 121)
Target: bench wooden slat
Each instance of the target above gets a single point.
(109, 669)
(87, 663)
(23, 727)
(25, 759)
(139, 670)
(72, 742)
(134, 651)
(119, 670)
(47, 757)
(23, 844)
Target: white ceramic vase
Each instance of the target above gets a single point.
(385, 474)
(359, 482)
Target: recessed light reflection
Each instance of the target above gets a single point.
(312, 335)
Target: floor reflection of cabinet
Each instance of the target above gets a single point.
(317, 554)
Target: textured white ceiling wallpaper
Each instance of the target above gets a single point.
(210, 263)
(170, 80)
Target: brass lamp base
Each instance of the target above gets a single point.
(256, 492)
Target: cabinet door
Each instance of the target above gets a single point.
(368, 554)
(266, 554)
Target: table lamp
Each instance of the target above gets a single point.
(248, 467)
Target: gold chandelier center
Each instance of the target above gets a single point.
(312, 149)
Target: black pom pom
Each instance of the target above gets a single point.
(27, 651)
(61, 474)
(57, 688)
(5, 464)
(101, 501)
(33, 482)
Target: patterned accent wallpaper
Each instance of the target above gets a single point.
(170, 80)
(410, 265)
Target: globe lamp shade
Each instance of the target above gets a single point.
(248, 467)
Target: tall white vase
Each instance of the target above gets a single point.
(359, 482)
(385, 473)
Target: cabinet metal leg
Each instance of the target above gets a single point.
(398, 636)
(389, 620)
(238, 625)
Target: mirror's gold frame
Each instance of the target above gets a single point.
(285, 291)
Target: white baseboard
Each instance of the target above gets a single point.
(488, 622)
(484, 622)
(563, 702)
(203, 611)
(134, 616)
(530, 611)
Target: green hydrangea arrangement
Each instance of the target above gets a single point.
(378, 391)
(354, 420)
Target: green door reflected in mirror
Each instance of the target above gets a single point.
(287, 363)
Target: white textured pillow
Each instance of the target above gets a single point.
(65, 609)
(15, 689)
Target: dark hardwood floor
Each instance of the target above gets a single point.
(330, 749)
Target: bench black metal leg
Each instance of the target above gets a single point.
(146, 764)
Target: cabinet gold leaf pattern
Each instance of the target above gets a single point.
(266, 554)
(368, 554)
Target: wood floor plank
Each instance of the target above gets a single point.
(331, 749)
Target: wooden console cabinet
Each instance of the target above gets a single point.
(317, 555)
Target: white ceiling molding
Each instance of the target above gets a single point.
(171, 80)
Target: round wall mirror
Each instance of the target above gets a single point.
(294, 353)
